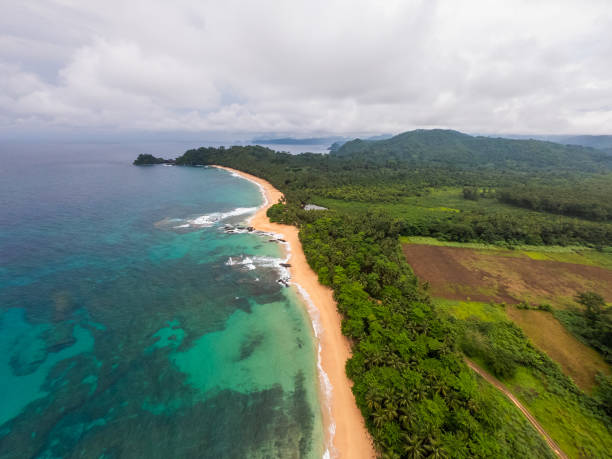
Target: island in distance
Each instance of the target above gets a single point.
(146, 159)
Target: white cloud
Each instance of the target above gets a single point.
(307, 67)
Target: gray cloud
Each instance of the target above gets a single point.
(306, 67)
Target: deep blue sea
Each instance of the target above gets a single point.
(133, 325)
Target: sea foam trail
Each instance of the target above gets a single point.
(254, 262)
(313, 313)
(204, 221)
(211, 219)
(326, 386)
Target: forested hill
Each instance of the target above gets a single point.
(451, 148)
(599, 142)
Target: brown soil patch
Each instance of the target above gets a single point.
(465, 274)
(578, 361)
(471, 275)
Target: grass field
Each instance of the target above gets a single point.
(514, 424)
(577, 360)
(562, 413)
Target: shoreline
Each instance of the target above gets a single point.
(345, 433)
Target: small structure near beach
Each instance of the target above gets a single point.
(314, 207)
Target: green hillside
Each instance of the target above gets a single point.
(445, 147)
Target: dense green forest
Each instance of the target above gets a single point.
(587, 198)
(601, 142)
(418, 397)
(388, 183)
(439, 146)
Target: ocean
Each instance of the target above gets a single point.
(132, 324)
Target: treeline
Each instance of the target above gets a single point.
(511, 229)
(589, 200)
(592, 323)
(346, 178)
(444, 147)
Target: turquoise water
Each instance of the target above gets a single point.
(132, 325)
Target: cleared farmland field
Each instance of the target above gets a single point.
(507, 276)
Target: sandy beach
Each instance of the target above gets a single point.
(351, 438)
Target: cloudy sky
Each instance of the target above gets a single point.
(305, 67)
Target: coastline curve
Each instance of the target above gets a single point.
(345, 433)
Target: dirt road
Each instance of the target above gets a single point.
(553, 445)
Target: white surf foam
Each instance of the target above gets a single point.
(313, 312)
(204, 221)
(253, 262)
(211, 219)
(325, 383)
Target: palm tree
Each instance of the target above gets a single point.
(373, 400)
(404, 400)
(413, 447)
(375, 359)
(379, 418)
(406, 417)
(435, 449)
(441, 388)
(390, 410)
(419, 393)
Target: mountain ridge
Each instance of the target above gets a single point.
(450, 147)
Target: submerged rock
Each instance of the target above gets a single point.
(284, 282)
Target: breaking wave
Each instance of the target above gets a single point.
(324, 381)
(204, 221)
(211, 219)
(253, 262)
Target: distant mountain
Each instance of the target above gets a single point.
(452, 148)
(296, 141)
(336, 145)
(600, 142)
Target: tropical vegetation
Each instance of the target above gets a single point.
(418, 397)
